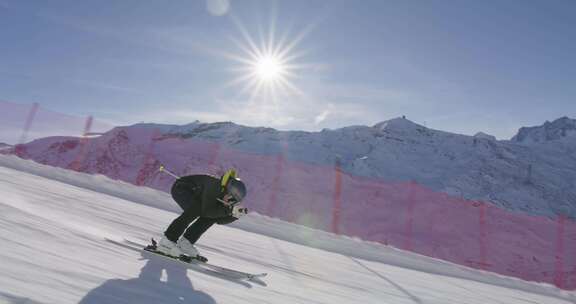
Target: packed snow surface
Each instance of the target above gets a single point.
(67, 239)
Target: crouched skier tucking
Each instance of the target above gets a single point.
(205, 200)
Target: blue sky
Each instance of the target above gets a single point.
(459, 66)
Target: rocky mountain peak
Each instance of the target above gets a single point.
(560, 128)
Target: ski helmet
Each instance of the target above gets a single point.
(236, 188)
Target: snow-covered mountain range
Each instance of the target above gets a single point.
(534, 172)
(396, 182)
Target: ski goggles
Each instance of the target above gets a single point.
(228, 200)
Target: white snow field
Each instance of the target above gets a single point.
(65, 239)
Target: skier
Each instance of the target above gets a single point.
(205, 200)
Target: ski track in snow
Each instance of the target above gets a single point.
(57, 249)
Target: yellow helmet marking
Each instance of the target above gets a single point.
(226, 177)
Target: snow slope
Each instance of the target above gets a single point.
(65, 243)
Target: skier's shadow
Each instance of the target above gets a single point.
(149, 287)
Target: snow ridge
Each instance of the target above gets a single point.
(561, 128)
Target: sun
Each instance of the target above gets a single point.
(267, 65)
(269, 68)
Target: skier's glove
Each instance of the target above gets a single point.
(239, 211)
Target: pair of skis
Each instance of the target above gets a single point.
(201, 263)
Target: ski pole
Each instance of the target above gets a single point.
(163, 169)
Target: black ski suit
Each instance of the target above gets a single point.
(198, 196)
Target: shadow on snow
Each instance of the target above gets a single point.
(149, 287)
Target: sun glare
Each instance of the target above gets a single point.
(269, 68)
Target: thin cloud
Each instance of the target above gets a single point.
(321, 117)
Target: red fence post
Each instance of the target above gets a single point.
(559, 261)
(147, 164)
(275, 184)
(482, 236)
(409, 224)
(19, 149)
(77, 163)
(28, 123)
(337, 199)
(214, 157)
